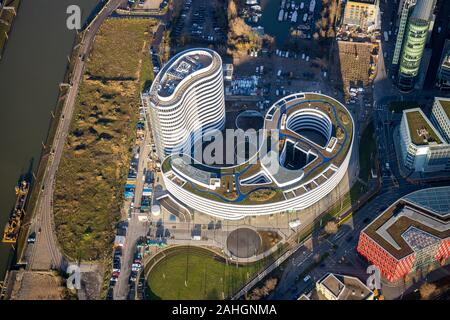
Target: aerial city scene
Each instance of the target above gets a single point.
(226, 150)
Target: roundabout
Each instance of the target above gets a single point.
(244, 243)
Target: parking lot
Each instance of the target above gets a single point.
(199, 21)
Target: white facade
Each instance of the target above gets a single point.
(427, 157)
(232, 211)
(440, 118)
(186, 98)
(326, 180)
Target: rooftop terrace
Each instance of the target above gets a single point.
(408, 225)
(180, 69)
(345, 287)
(420, 130)
(320, 163)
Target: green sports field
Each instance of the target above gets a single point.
(193, 273)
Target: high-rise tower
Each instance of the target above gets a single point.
(415, 40)
(186, 98)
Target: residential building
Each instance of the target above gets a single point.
(412, 235)
(186, 99)
(423, 149)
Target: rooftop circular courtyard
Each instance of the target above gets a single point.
(249, 119)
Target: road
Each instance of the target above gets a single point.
(292, 286)
(343, 257)
(45, 254)
(135, 230)
(143, 158)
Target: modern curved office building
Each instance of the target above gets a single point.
(302, 155)
(185, 99)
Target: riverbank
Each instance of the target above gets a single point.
(46, 152)
(7, 14)
(31, 69)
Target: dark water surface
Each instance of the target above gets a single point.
(33, 65)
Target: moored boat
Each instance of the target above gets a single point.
(12, 228)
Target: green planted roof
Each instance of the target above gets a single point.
(416, 122)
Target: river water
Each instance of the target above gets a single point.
(269, 20)
(281, 30)
(33, 65)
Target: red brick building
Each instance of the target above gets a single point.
(412, 234)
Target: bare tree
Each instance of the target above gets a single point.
(264, 291)
(329, 15)
(241, 37)
(331, 227)
(232, 10)
(427, 291)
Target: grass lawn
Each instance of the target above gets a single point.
(207, 276)
(94, 165)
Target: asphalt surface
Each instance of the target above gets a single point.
(135, 230)
(292, 285)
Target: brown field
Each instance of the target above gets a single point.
(355, 63)
(29, 285)
(94, 165)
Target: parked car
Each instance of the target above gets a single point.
(31, 238)
(136, 267)
(118, 252)
(133, 276)
(116, 267)
(110, 294)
